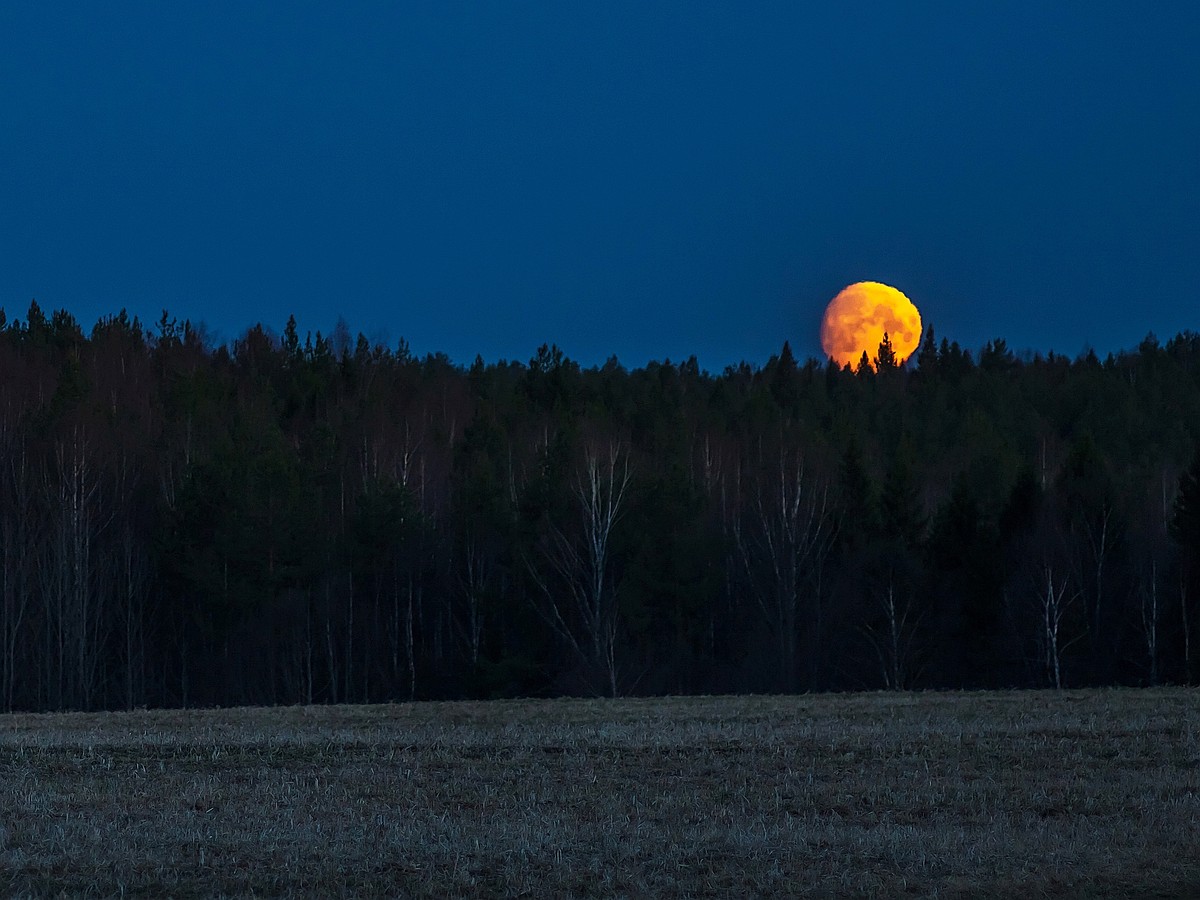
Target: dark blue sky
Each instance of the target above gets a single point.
(649, 180)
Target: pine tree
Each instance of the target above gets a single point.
(885, 359)
(903, 520)
(927, 358)
(784, 386)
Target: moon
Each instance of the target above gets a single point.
(856, 319)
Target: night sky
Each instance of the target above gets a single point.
(651, 180)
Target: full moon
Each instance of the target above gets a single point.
(856, 319)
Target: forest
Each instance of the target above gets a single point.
(303, 519)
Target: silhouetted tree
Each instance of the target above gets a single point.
(320, 518)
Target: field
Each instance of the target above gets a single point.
(1080, 793)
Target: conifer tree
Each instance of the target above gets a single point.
(885, 357)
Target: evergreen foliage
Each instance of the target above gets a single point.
(300, 518)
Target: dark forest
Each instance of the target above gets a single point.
(320, 519)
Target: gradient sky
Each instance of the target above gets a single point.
(643, 179)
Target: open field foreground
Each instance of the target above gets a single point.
(1078, 793)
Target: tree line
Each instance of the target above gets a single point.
(323, 519)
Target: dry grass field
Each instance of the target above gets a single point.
(1080, 793)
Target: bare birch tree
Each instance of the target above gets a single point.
(129, 576)
(76, 615)
(1099, 536)
(474, 578)
(579, 599)
(1150, 619)
(787, 534)
(895, 641)
(1054, 599)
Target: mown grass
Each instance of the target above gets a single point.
(1080, 793)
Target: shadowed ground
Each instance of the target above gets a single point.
(1080, 793)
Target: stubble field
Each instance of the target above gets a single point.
(1080, 793)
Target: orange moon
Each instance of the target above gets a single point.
(857, 318)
